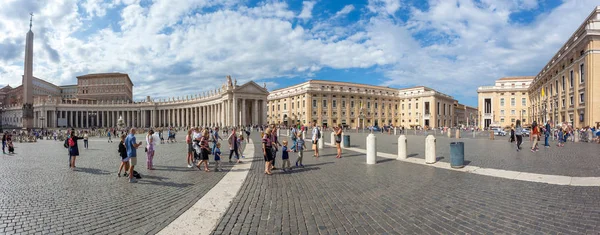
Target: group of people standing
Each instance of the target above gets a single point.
(271, 145)
(198, 146)
(561, 133)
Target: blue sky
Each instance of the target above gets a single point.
(180, 47)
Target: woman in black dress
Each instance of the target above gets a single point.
(73, 148)
(204, 150)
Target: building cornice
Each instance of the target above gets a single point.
(583, 32)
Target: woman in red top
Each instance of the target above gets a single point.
(535, 134)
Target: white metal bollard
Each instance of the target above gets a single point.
(288, 132)
(430, 149)
(371, 149)
(457, 134)
(342, 142)
(278, 132)
(576, 135)
(449, 133)
(304, 135)
(402, 141)
(473, 134)
(320, 143)
(332, 138)
(395, 133)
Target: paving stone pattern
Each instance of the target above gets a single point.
(575, 159)
(346, 196)
(39, 194)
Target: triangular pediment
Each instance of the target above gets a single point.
(252, 88)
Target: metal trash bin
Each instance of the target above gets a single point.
(457, 154)
(346, 141)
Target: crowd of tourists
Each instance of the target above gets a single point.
(562, 133)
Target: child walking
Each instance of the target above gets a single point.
(218, 158)
(300, 149)
(285, 157)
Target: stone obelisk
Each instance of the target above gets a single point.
(28, 81)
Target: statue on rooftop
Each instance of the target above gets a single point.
(229, 84)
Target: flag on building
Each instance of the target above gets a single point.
(543, 94)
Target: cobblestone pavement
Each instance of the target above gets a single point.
(575, 159)
(346, 196)
(38, 193)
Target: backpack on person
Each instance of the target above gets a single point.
(71, 142)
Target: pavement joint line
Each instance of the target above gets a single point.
(204, 216)
(498, 173)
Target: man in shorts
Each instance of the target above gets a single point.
(132, 146)
(315, 139)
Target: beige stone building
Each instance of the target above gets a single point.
(358, 105)
(505, 102)
(104, 86)
(465, 115)
(567, 89)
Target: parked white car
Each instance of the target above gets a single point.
(499, 132)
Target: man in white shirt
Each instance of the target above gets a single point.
(316, 134)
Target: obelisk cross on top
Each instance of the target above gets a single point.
(30, 20)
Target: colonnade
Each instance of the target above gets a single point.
(224, 112)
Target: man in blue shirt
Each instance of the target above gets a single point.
(131, 147)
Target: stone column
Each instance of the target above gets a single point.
(234, 111)
(264, 112)
(202, 113)
(76, 119)
(220, 105)
(255, 113)
(225, 113)
(243, 122)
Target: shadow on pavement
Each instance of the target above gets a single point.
(386, 160)
(92, 171)
(173, 168)
(144, 180)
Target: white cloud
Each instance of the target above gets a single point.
(344, 11)
(183, 50)
(177, 47)
(307, 7)
(384, 6)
